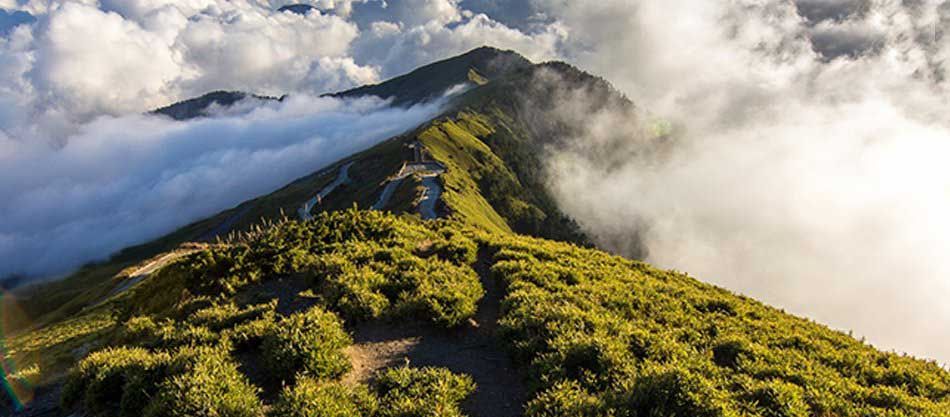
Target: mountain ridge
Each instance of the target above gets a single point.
(271, 312)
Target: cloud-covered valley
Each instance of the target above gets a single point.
(120, 181)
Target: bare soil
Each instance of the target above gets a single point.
(473, 350)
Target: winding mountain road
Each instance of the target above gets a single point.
(428, 171)
(430, 198)
(342, 178)
(387, 193)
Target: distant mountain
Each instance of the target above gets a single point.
(198, 107)
(435, 275)
(476, 67)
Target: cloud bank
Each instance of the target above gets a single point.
(75, 77)
(107, 189)
(805, 168)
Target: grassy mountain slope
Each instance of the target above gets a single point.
(258, 320)
(266, 321)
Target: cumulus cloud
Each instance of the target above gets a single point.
(808, 179)
(71, 61)
(106, 189)
(398, 49)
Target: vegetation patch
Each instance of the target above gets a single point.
(599, 335)
(607, 336)
(309, 343)
(313, 398)
(422, 392)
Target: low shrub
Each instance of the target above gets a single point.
(444, 293)
(671, 391)
(225, 315)
(455, 247)
(114, 377)
(313, 398)
(422, 392)
(778, 399)
(166, 334)
(565, 399)
(728, 352)
(365, 281)
(205, 382)
(355, 293)
(252, 333)
(310, 342)
(595, 361)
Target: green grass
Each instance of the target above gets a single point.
(307, 343)
(602, 335)
(461, 152)
(597, 334)
(494, 178)
(178, 343)
(425, 392)
(313, 398)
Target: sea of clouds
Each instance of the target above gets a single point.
(806, 168)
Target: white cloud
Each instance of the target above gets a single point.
(128, 57)
(103, 191)
(99, 62)
(813, 184)
(398, 49)
(274, 52)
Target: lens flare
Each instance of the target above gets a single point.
(18, 370)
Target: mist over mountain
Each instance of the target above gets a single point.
(104, 191)
(789, 151)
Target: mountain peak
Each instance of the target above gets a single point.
(431, 81)
(198, 107)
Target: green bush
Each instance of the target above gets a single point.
(425, 392)
(221, 316)
(365, 281)
(205, 382)
(637, 338)
(779, 399)
(114, 377)
(671, 391)
(455, 247)
(313, 398)
(251, 333)
(141, 330)
(442, 292)
(221, 270)
(565, 399)
(730, 351)
(599, 334)
(167, 333)
(309, 342)
(596, 361)
(355, 293)
(328, 266)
